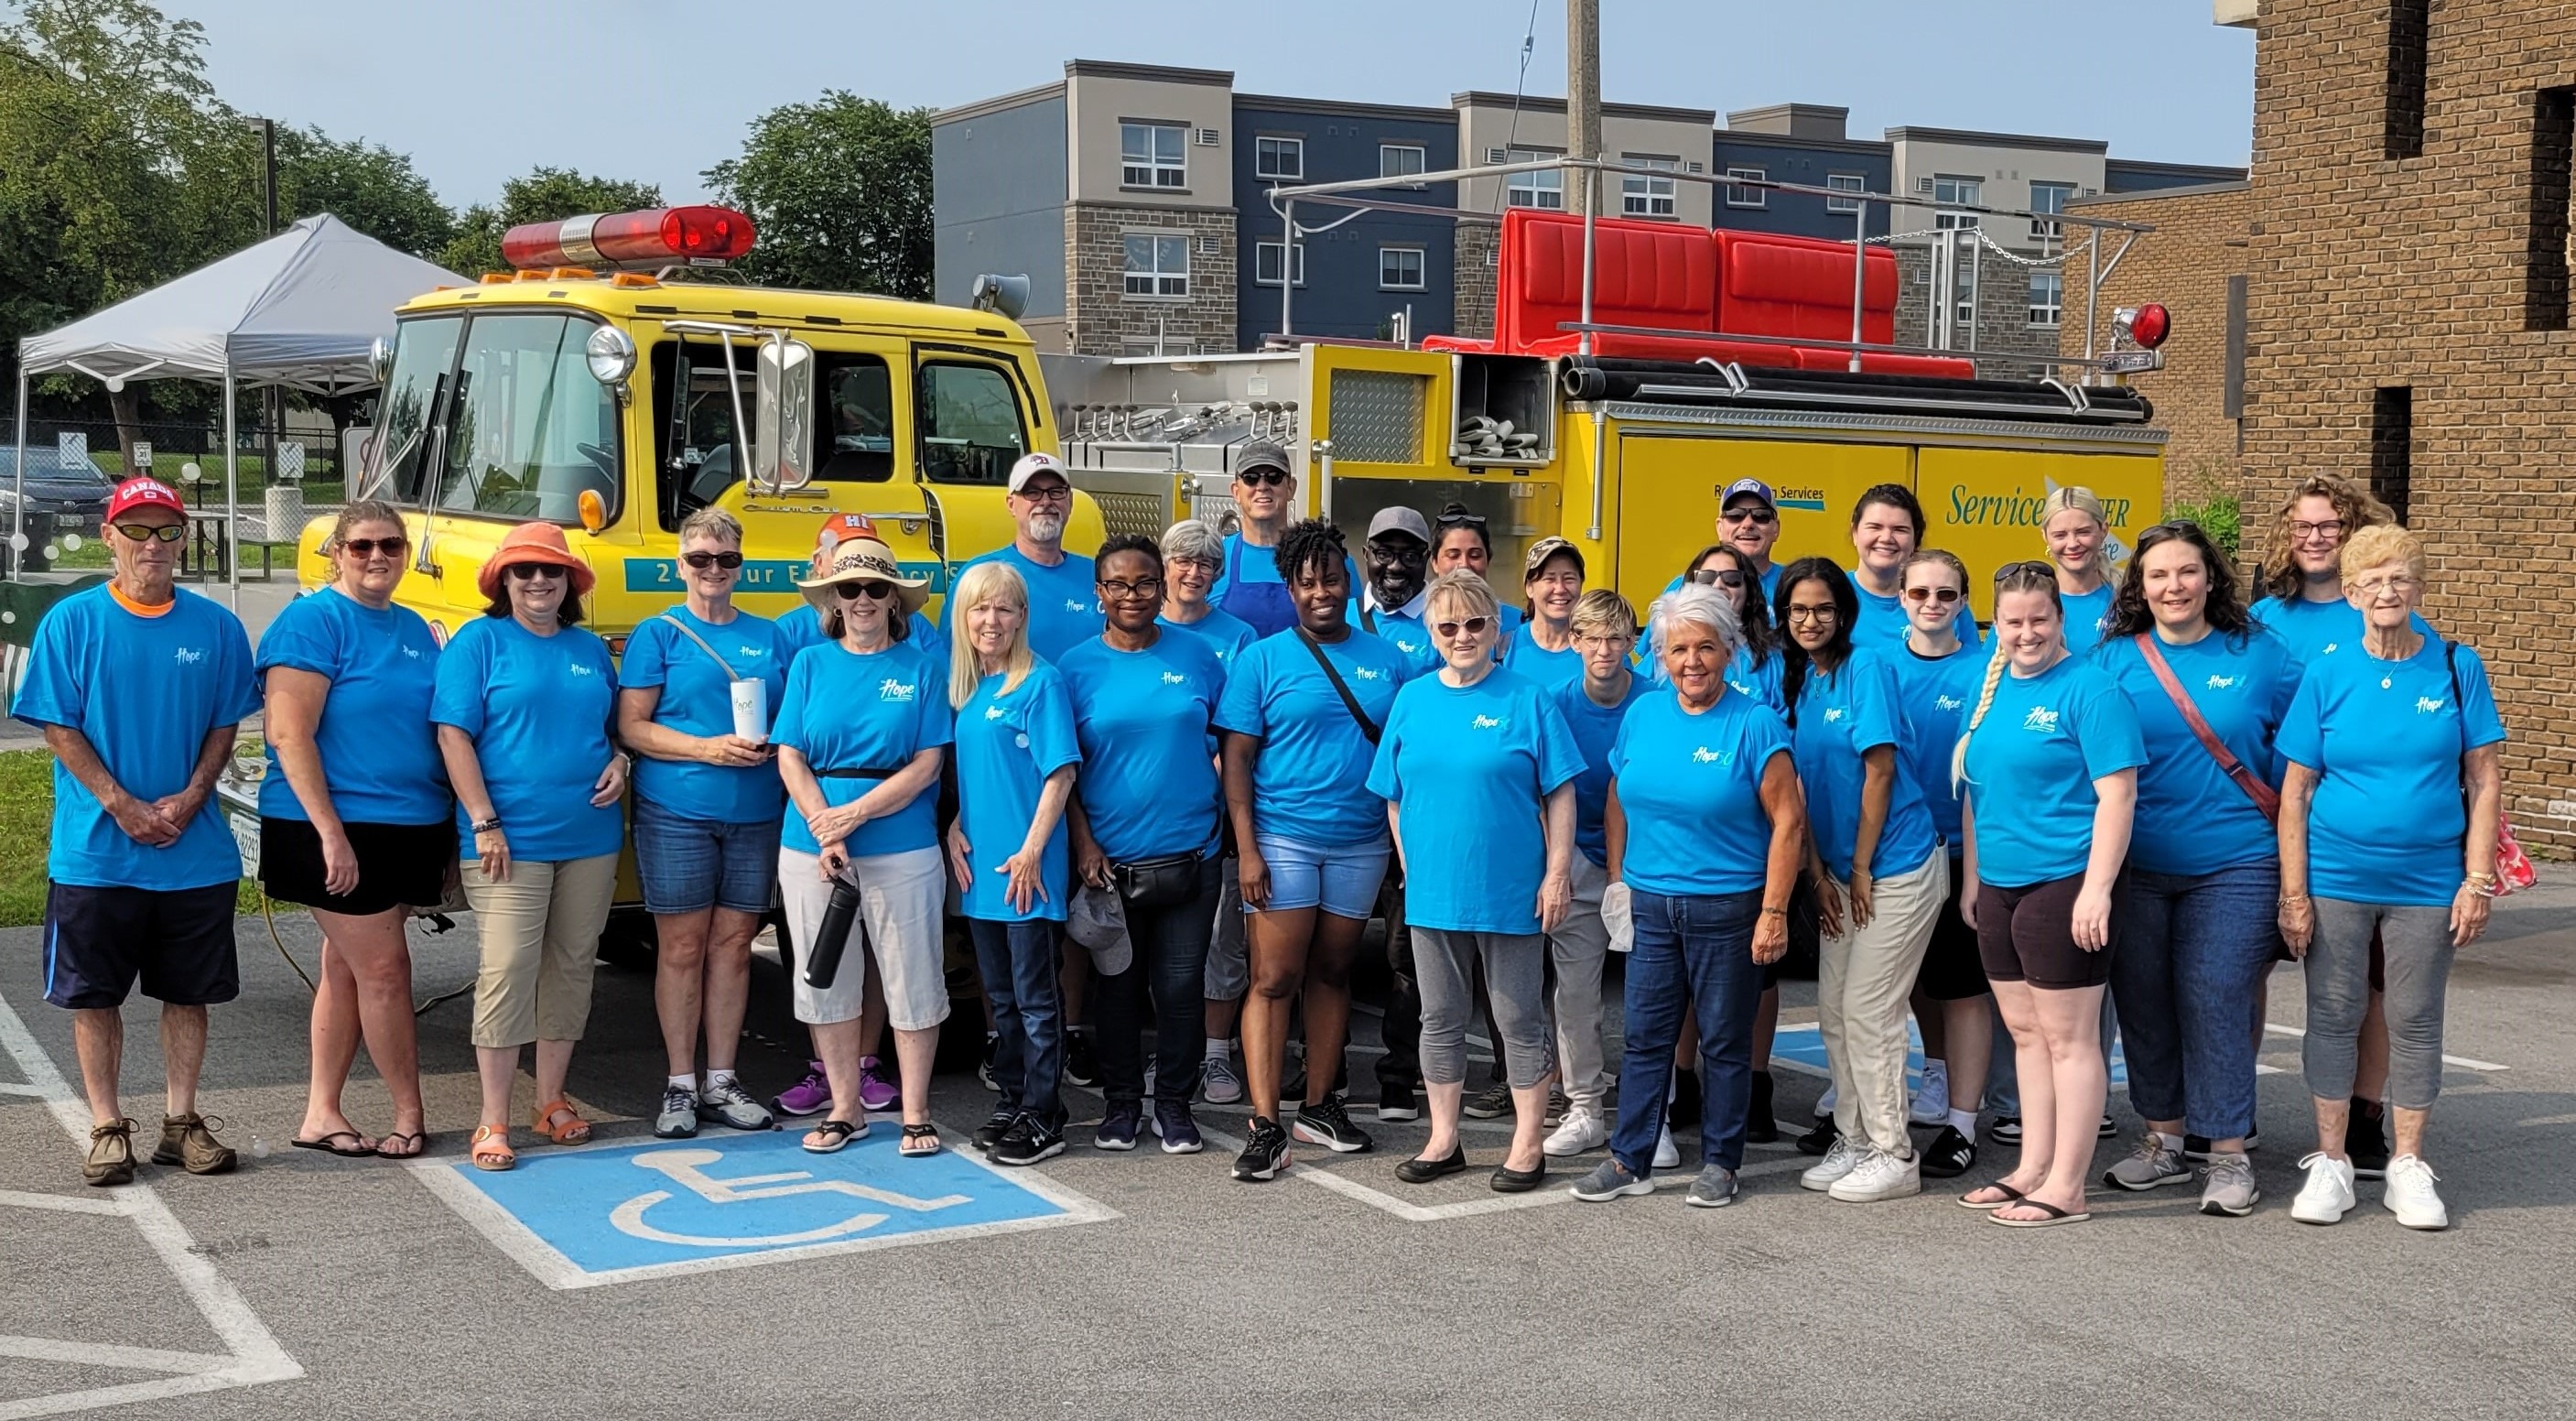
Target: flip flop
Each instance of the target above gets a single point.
(325, 1146)
(919, 1141)
(2055, 1217)
(835, 1133)
(2011, 1196)
(419, 1144)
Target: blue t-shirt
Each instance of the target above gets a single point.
(2087, 615)
(697, 699)
(144, 692)
(1225, 633)
(1840, 718)
(1405, 632)
(1933, 697)
(1064, 602)
(1883, 622)
(1759, 682)
(1007, 744)
(2192, 818)
(1310, 776)
(1596, 729)
(1145, 722)
(803, 627)
(1523, 654)
(1252, 571)
(846, 710)
(2385, 738)
(2315, 629)
(2032, 764)
(1690, 787)
(538, 709)
(379, 756)
(1469, 769)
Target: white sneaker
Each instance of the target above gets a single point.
(1219, 1082)
(2327, 1196)
(1842, 1159)
(1932, 1102)
(2410, 1194)
(1581, 1129)
(1667, 1154)
(1878, 1175)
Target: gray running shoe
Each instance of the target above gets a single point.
(730, 1105)
(2228, 1187)
(679, 1117)
(2151, 1164)
(1609, 1180)
(1714, 1189)
(1492, 1103)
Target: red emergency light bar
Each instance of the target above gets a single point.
(659, 237)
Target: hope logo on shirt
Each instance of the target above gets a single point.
(191, 655)
(1075, 604)
(1705, 756)
(1175, 678)
(1368, 673)
(1487, 722)
(411, 651)
(891, 689)
(1833, 714)
(992, 712)
(753, 653)
(580, 670)
(1949, 703)
(2428, 705)
(2224, 683)
(2040, 719)
(2329, 648)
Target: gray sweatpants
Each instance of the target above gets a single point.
(2417, 942)
(1444, 966)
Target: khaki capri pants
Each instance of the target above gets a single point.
(540, 940)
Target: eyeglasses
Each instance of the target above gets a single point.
(2379, 587)
(369, 547)
(531, 571)
(1266, 477)
(167, 532)
(1473, 626)
(1726, 577)
(1761, 517)
(703, 561)
(1141, 587)
(2331, 528)
(873, 591)
(1047, 493)
(1815, 614)
(1943, 595)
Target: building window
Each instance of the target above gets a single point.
(1946, 188)
(1964, 285)
(1400, 160)
(1642, 196)
(2553, 184)
(1747, 196)
(1845, 182)
(2047, 298)
(1399, 268)
(1158, 266)
(1151, 155)
(2049, 198)
(1543, 189)
(2392, 446)
(1265, 263)
(1279, 158)
(2410, 25)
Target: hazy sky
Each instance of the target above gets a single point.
(479, 90)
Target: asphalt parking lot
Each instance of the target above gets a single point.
(736, 1276)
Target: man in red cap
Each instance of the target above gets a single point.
(803, 627)
(139, 688)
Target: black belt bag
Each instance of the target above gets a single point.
(868, 774)
(1166, 882)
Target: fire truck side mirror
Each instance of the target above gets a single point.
(380, 359)
(782, 425)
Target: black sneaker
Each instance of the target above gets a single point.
(1029, 1141)
(1759, 1126)
(1265, 1154)
(1683, 1112)
(2005, 1130)
(1557, 1105)
(984, 1068)
(1492, 1103)
(1328, 1123)
(995, 1126)
(1820, 1139)
(2108, 1130)
(2195, 1148)
(1292, 1073)
(1081, 1063)
(2365, 1140)
(1950, 1155)
(1396, 1102)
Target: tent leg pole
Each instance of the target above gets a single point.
(18, 513)
(232, 496)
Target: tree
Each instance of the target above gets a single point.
(544, 195)
(372, 188)
(839, 190)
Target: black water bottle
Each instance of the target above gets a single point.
(823, 961)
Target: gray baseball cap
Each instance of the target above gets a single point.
(1399, 519)
(1263, 454)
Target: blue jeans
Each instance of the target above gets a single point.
(1690, 953)
(1018, 964)
(2193, 955)
(1171, 948)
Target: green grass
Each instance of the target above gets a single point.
(26, 828)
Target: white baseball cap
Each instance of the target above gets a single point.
(1032, 465)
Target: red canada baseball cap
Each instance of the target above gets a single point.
(841, 527)
(143, 493)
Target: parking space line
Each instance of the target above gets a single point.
(252, 1356)
(59, 1203)
(2466, 1063)
(14, 1088)
(108, 1354)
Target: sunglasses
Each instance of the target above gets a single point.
(1761, 517)
(703, 561)
(1455, 517)
(1943, 595)
(2032, 567)
(1717, 577)
(369, 547)
(873, 591)
(145, 532)
(1473, 626)
(1268, 478)
(531, 571)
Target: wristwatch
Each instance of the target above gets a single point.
(486, 826)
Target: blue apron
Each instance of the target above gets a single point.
(1264, 605)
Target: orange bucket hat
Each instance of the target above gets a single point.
(538, 543)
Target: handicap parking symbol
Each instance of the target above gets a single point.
(619, 1212)
(1802, 1048)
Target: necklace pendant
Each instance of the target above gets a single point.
(2385, 682)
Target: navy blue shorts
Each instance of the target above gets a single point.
(178, 942)
(690, 865)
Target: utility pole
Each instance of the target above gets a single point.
(268, 142)
(1583, 94)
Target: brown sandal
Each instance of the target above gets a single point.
(491, 1148)
(574, 1133)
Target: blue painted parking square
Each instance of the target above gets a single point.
(1802, 1048)
(615, 1213)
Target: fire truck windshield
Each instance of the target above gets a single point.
(497, 413)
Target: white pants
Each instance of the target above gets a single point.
(898, 922)
(1862, 983)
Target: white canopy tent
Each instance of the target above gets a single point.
(300, 310)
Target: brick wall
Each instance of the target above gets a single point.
(2200, 241)
(1100, 318)
(2003, 310)
(1474, 243)
(2372, 272)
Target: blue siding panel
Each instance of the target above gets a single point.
(998, 188)
(1790, 161)
(1341, 295)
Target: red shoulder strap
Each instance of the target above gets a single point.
(2263, 795)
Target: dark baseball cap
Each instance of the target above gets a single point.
(1742, 487)
(1262, 454)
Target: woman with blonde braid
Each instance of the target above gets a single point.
(2048, 776)
(2078, 531)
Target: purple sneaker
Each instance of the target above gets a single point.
(810, 1096)
(876, 1091)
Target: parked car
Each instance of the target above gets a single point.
(71, 498)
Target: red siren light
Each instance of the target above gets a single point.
(657, 237)
(2146, 326)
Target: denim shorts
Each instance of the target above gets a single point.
(689, 865)
(1341, 879)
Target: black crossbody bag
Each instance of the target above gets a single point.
(1350, 702)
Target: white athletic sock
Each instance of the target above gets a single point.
(2171, 1142)
(1965, 1122)
(684, 1082)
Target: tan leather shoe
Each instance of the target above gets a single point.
(111, 1155)
(189, 1141)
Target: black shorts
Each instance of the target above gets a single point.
(2028, 935)
(178, 941)
(1953, 969)
(399, 865)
